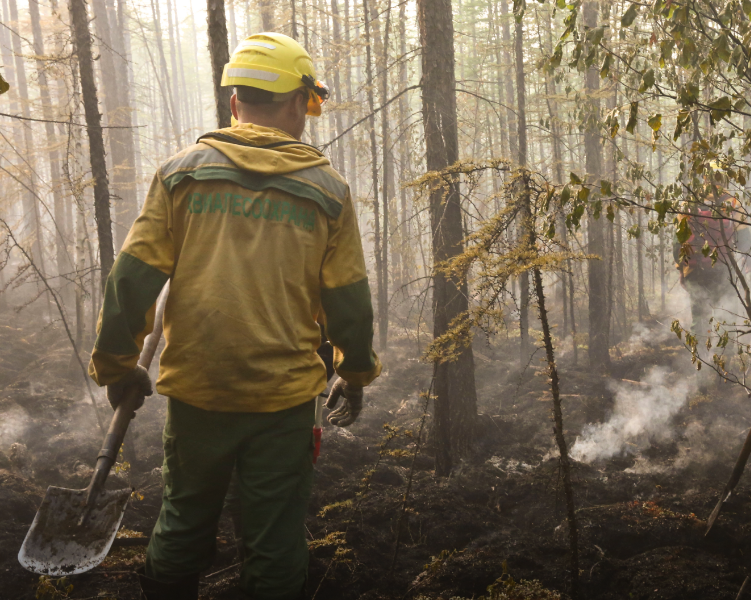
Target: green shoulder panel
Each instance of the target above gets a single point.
(205, 163)
(349, 324)
(131, 290)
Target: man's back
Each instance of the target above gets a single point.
(253, 227)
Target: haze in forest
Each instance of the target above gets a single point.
(552, 200)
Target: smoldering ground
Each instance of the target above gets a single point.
(642, 496)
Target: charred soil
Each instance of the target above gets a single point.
(642, 512)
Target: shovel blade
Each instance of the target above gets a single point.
(57, 545)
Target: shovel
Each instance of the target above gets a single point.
(73, 530)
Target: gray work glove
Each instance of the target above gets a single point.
(137, 378)
(348, 412)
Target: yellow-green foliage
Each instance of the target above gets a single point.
(336, 506)
(335, 538)
(518, 238)
(50, 588)
(508, 589)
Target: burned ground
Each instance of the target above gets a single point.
(641, 513)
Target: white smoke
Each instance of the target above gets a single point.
(642, 414)
(13, 425)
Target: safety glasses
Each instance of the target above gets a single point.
(319, 88)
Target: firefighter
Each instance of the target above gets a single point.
(702, 259)
(258, 235)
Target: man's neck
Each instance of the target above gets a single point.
(263, 121)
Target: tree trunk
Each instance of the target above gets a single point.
(82, 39)
(388, 182)
(336, 60)
(456, 397)
(64, 264)
(197, 74)
(509, 99)
(232, 24)
(32, 221)
(599, 326)
(128, 115)
(525, 213)
(405, 274)
(663, 283)
(168, 93)
(187, 103)
(504, 133)
(266, 8)
(118, 115)
(352, 177)
(219, 50)
(293, 7)
(370, 35)
(177, 99)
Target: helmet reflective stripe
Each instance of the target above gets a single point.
(247, 44)
(252, 74)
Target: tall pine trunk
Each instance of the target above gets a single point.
(121, 136)
(456, 397)
(63, 262)
(32, 220)
(219, 51)
(405, 273)
(380, 283)
(82, 39)
(525, 212)
(509, 87)
(388, 183)
(599, 326)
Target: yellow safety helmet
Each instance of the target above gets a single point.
(276, 63)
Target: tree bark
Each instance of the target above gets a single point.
(509, 99)
(370, 35)
(405, 273)
(388, 182)
(336, 60)
(456, 397)
(232, 24)
(82, 39)
(32, 221)
(176, 98)
(121, 138)
(352, 168)
(525, 213)
(268, 19)
(171, 112)
(599, 326)
(197, 75)
(219, 51)
(63, 262)
(504, 133)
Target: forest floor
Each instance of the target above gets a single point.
(642, 506)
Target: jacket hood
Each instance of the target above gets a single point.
(264, 150)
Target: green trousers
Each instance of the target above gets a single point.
(273, 453)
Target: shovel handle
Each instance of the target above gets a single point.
(126, 410)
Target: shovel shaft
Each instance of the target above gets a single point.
(125, 411)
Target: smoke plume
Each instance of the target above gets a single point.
(642, 414)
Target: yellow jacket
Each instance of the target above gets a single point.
(259, 237)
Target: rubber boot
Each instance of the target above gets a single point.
(185, 589)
